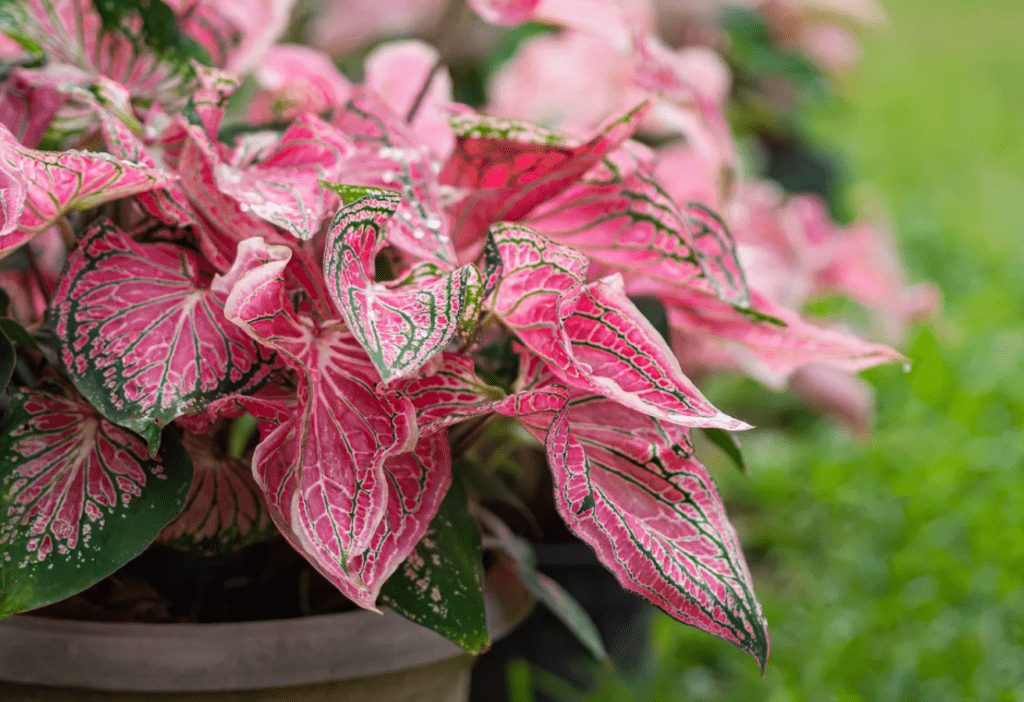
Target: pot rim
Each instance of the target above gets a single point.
(224, 656)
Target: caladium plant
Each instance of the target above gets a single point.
(347, 284)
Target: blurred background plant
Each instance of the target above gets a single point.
(893, 569)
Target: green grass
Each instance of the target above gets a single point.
(894, 571)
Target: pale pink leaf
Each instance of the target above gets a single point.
(27, 108)
(505, 12)
(768, 350)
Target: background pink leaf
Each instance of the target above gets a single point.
(390, 156)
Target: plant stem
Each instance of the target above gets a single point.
(456, 16)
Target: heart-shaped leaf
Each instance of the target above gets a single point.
(143, 337)
(70, 481)
(224, 510)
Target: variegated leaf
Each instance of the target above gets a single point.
(403, 324)
(56, 182)
(27, 107)
(224, 510)
(72, 32)
(629, 486)
(70, 481)
(591, 335)
(451, 394)
(389, 156)
(339, 477)
(621, 218)
(510, 167)
(440, 584)
(768, 351)
(284, 186)
(142, 335)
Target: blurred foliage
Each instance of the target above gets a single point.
(894, 570)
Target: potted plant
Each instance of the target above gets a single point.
(293, 307)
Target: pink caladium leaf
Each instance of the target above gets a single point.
(403, 324)
(27, 108)
(143, 337)
(246, 193)
(72, 32)
(505, 12)
(68, 481)
(449, 395)
(630, 487)
(591, 335)
(622, 219)
(56, 182)
(509, 167)
(224, 510)
(770, 351)
(334, 474)
(12, 200)
(390, 156)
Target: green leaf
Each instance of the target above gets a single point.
(440, 584)
(654, 310)
(546, 590)
(729, 445)
(17, 334)
(8, 356)
(80, 497)
(158, 30)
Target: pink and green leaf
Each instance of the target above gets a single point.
(769, 351)
(56, 182)
(451, 394)
(510, 167)
(621, 218)
(70, 479)
(224, 510)
(591, 335)
(143, 337)
(403, 324)
(629, 486)
(440, 584)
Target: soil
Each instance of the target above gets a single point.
(262, 581)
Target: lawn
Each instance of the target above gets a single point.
(894, 570)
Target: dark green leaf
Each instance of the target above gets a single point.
(159, 27)
(440, 585)
(8, 356)
(654, 310)
(80, 497)
(729, 445)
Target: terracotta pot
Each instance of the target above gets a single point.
(351, 656)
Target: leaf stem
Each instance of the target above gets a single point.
(458, 12)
